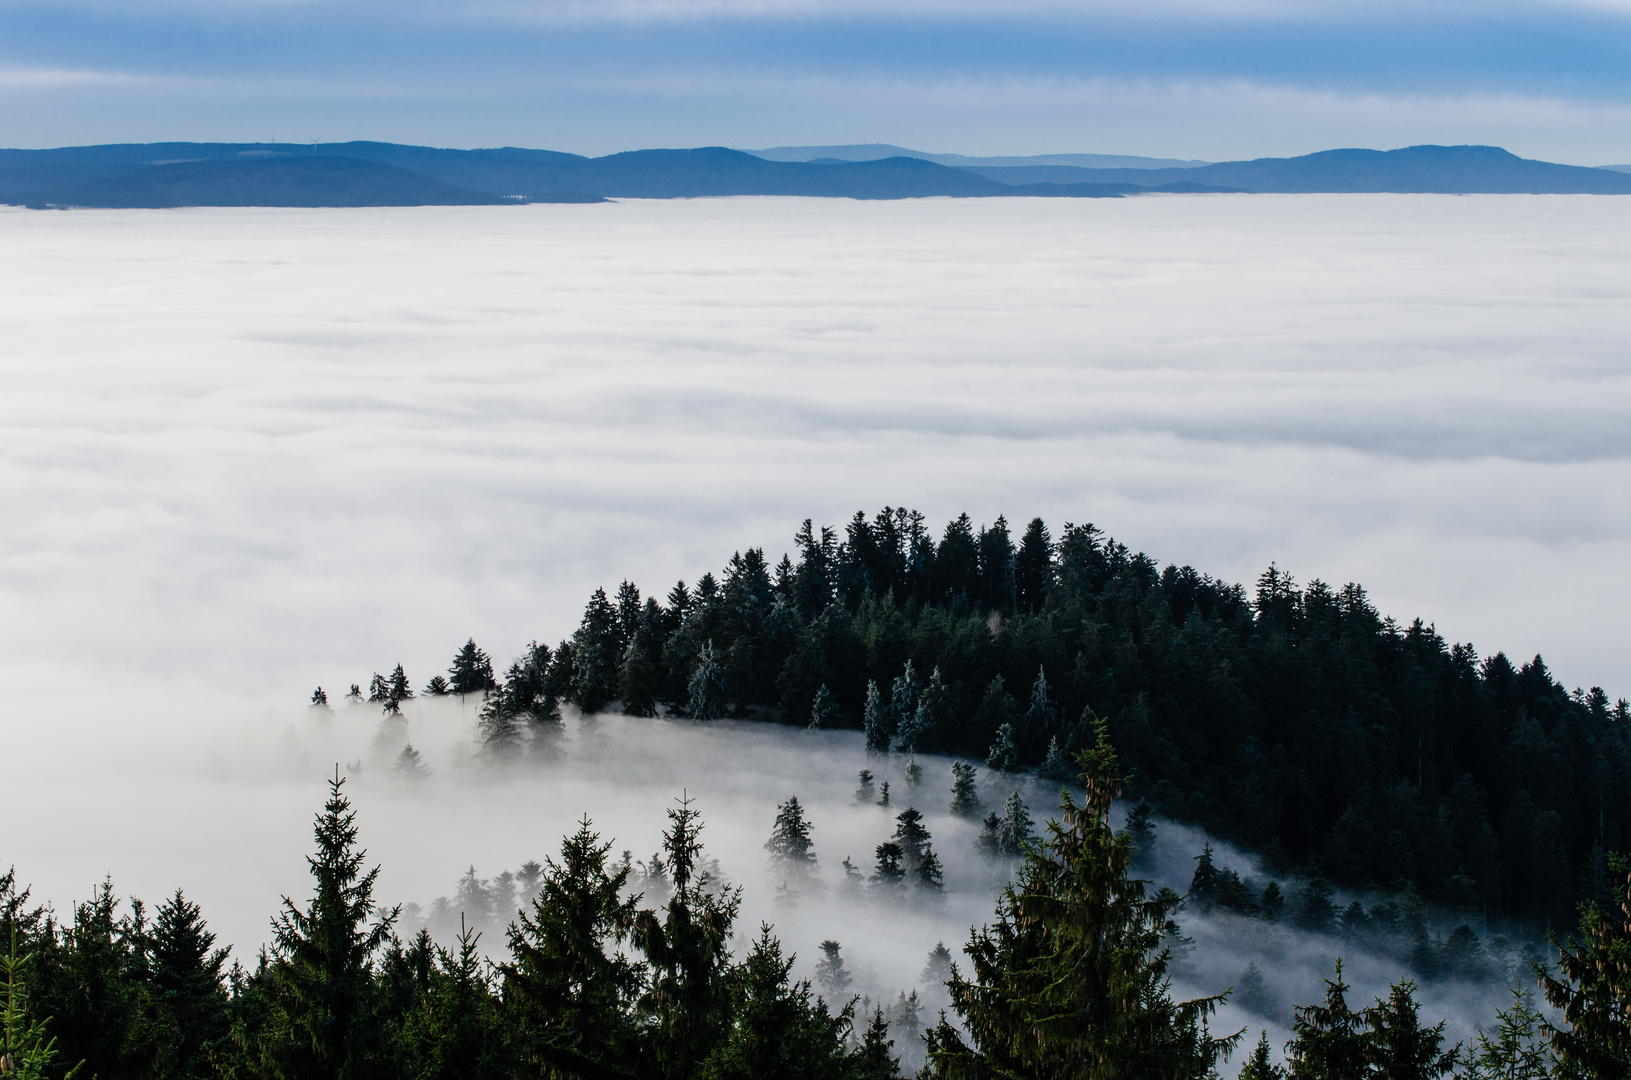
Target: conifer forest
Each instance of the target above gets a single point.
(1139, 774)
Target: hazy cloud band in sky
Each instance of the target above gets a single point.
(606, 77)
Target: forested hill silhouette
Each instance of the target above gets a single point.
(1297, 721)
(268, 174)
(1447, 170)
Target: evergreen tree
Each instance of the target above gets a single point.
(1004, 755)
(455, 1033)
(1272, 902)
(888, 875)
(596, 649)
(1315, 911)
(319, 699)
(637, 683)
(688, 953)
(1055, 765)
(471, 671)
(187, 981)
(790, 847)
(569, 989)
(1329, 1040)
(1039, 717)
(28, 1051)
(1252, 993)
(1204, 884)
(1592, 990)
(938, 967)
(1071, 981)
(410, 765)
(822, 709)
(776, 1028)
(354, 697)
(903, 695)
(707, 687)
(873, 1061)
(500, 727)
(989, 842)
(398, 689)
(914, 774)
(875, 722)
(1141, 830)
(831, 974)
(1033, 566)
(1518, 1049)
(323, 1023)
(965, 797)
(1260, 1066)
(883, 793)
(912, 837)
(438, 687)
(1016, 831)
(1398, 1046)
(865, 793)
(929, 874)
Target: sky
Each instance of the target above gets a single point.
(1208, 79)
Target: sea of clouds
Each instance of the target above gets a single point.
(245, 452)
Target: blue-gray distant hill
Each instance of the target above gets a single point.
(1444, 170)
(387, 174)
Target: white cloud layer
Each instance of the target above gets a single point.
(256, 450)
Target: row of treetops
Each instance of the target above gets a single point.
(1068, 981)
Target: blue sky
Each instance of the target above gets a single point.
(1184, 78)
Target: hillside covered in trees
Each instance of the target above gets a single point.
(1297, 721)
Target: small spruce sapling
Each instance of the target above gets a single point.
(822, 709)
(866, 792)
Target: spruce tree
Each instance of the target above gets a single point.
(185, 969)
(1260, 1066)
(790, 847)
(965, 797)
(929, 875)
(1016, 831)
(1004, 755)
(873, 1060)
(1253, 994)
(456, 1033)
(989, 841)
(29, 1050)
(888, 875)
(568, 988)
(410, 765)
(707, 700)
(883, 793)
(831, 974)
(912, 837)
(398, 689)
(1071, 981)
(1592, 989)
(1517, 1049)
(322, 958)
(1204, 883)
(1398, 1047)
(937, 969)
(903, 695)
(822, 709)
(776, 1029)
(319, 699)
(471, 671)
(1315, 910)
(438, 687)
(865, 793)
(1272, 902)
(688, 953)
(1329, 1040)
(637, 680)
(875, 721)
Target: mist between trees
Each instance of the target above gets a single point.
(1296, 722)
(616, 966)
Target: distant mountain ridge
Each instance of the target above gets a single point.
(874, 151)
(388, 174)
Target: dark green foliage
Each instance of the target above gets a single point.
(776, 1028)
(1203, 885)
(874, 1060)
(567, 988)
(322, 1020)
(454, 1034)
(1071, 980)
(830, 971)
(437, 687)
(707, 700)
(1516, 1050)
(26, 1047)
(1329, 1040)
(1260, 1066)
(471, 672)
(1592, 989)
(875, 721)
(791, 850)
(1293, 719)
(965, 796)
(687, 998)
(188, 992)
(1399, 1047)
(1315, 910)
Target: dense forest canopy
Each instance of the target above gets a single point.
(1297, 721)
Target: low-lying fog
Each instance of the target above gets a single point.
(222, 807)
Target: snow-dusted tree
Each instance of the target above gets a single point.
(822, 709)
(875, 721)
(1004, 755)
(707, 687)
(965, 797)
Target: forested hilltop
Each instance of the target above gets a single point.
(1297, 721)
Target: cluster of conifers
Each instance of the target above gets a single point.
(1069, 980)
